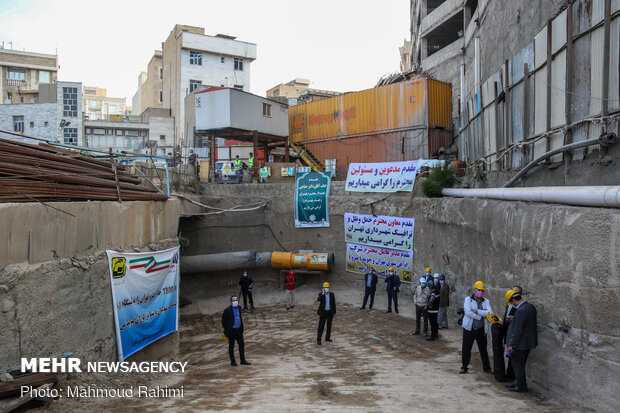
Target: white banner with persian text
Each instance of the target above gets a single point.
(379, 231)
(381, 177)
(145, 295)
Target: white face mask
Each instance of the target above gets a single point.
(245, 275)
(326, 290)
(441, 282)
(235, 303)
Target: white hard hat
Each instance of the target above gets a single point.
(436, 275)
(422, 280)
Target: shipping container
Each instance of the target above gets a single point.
(401, 121)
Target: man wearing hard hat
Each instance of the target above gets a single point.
(476, 326)
(392, 288)
(326, 311)
(522, 337)
(420, 299)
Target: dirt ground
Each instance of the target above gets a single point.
(373, 364)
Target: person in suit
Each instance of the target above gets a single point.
(522, 337)
(509, 313)
(233, 329)
(392, 288)
(444, 302)
(326, 311)
(246, 283)
(370, 282)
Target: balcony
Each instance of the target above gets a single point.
(16, 82)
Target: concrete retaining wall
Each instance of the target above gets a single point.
(567, 259)
(61, 301)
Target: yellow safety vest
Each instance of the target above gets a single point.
(251, 162)
(237, 164)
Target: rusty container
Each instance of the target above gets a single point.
(401, 121)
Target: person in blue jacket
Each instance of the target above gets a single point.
(370, 282)
(393, 284)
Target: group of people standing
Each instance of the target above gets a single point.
(517, 332)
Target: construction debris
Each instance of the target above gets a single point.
(46, 172)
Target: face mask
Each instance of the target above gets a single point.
(479, 293)
(390, 274)
(245, 275)
(423, 285)
(235, 303)
(326, 290)
(441, 282)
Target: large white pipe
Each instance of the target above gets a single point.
(596, 196)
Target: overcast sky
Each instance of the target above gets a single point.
(341, 45)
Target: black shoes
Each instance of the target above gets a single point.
(488, 370)
(233, 363)
(415, 333)
(246, 363)
(388, 311)
(431, 338)
(328, 339)
(318, 342)
(425, 334)
(361, 308)
(463, 370)
(396, 311)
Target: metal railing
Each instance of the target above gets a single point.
(16, 82)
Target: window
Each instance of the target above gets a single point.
(161, 96)
(222, 60)
(195, 58)
(17, 74)
(161, 73)
(92, 103)
(109, 132)
(44, 76)
(239, 87)
(71, 136)
(90, 91)
(144, 133)
(112, 110)
(32, 124)
(193, 84)
(46, 123)
(238, 64)
(21, 99)
(119, 132)
(98, 131)
(162, 137)
(266, 109)
(18, 123)
(69, 100)
(132, 133)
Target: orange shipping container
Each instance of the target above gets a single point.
(413, 104)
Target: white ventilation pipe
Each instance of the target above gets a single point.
(594, 196)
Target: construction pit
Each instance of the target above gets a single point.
(58, 300)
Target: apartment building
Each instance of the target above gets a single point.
(56, 115)
(298, 91)
(192, 59)
(98, 106)
(22, 72)
(150, 86)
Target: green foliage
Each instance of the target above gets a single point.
(441, 176)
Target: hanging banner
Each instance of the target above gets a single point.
(361, 258)
(312, 199)
(381, 177)
(379, 231)
(145, 295)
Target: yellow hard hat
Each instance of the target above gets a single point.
(391, 269)
(428, 269)
(325, 285)
(479, 285)
(509, 295)
(494, 318)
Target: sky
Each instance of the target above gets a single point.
(341, 45)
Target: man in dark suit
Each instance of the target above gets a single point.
(326, 311)
(371, 286)
(246, 283)
(233, 329)
(522, 337)
(392, 288)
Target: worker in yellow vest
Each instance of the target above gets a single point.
(238, 164)
(251, 163)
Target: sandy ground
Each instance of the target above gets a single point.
(373, 365)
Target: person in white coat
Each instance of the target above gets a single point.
(476, 326)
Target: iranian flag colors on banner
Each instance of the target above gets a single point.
(145, 294)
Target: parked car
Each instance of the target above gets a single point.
(225, 172)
